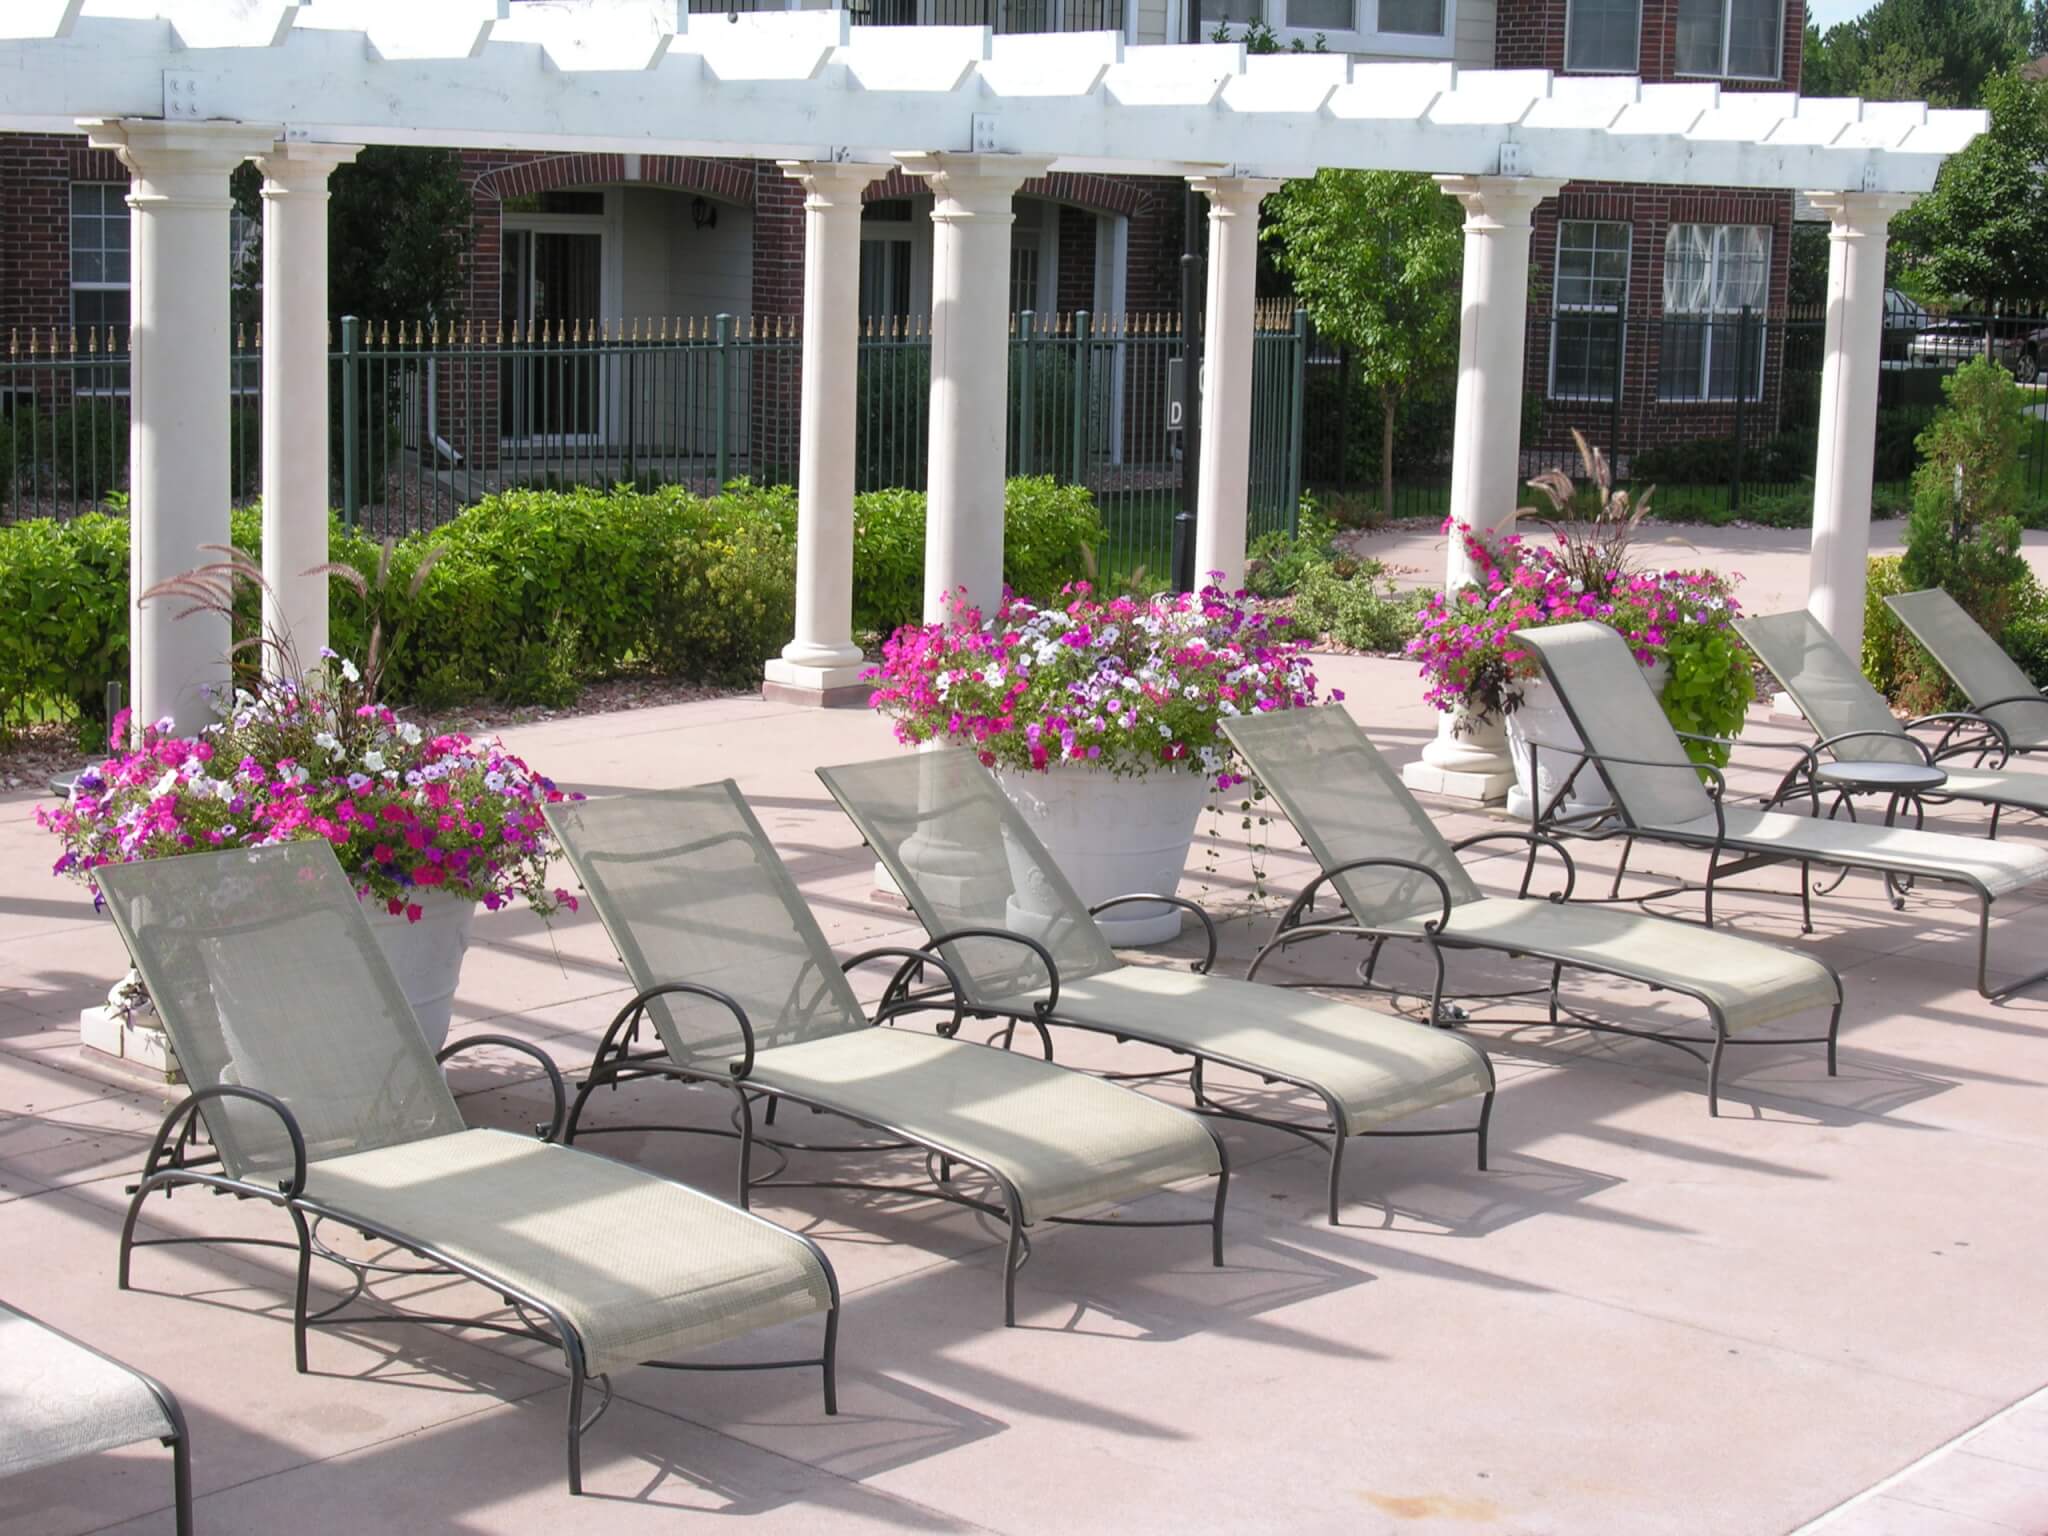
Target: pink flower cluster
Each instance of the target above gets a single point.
(1465, 642)
(406, 813)
(1129, 686)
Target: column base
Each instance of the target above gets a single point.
(1480, 786)
(1784, 711)
(787, 682)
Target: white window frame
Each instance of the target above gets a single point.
(1619, 308)
(1727, 26)
(1749, 391)
(1364, 37)
(610, 254)
(1633, 67)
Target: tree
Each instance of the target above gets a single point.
(1939, 51)
(1982, 234)
(1376, 258)
(398, 233)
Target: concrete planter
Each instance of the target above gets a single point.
(1110, 836)
(1541, 718)
(426, 956)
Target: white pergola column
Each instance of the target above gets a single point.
(971, 219)
(1857, 235)
(1224, 482)
(295, 417)
(178, 396)
(822, 665)
(1486, 448)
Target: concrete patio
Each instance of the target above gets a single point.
(1641, 1320)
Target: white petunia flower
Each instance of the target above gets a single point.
(409, 733)
(374, 761)
(348, 670)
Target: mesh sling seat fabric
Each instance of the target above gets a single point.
(1659, 796)
(317, 1091)
(1399, 878)
(1990, 679)
(1026, 948)
(695, 897)
(61, 1399)
(1855, 723)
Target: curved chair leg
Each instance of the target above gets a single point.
(1337, 1139)
(747, 1143)
(1222, 1194)
(1485, 1120)
(576, 1429)
(1714, 1069)
(1556, 978)
(1628, 846)
(831, 1361)
(299, 1296)
(181, 1484)
(1834, 1029)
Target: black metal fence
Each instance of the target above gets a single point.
(430, 420)
(998, 15)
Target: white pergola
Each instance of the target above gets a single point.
(185, 90)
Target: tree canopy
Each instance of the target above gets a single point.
(1982, 234)
(1938, 51)
(1376, 256)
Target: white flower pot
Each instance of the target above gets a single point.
(1110, 836)
(425, 956)
(1541, 718)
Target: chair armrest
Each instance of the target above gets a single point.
(1199, 967)
(1052, 971)
(553, 1128)
(2017, 698)
(192, 1103)
(1535, 840)
(1292, 916)
(639, 1005)
(1958, 723)
(913, 959)
(1829, 743)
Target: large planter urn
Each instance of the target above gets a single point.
(1110, 836)
(426, 956)
(1541, 718)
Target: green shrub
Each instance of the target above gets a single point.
(1363, 611)
(1278, 562)
(2026, 631)
(63, 612)
(888, 560)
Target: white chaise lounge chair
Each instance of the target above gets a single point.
(318, 1094)
(734, 975)
(1398, 878)
(1023, 947)
(1659, 796)
(1990, 679)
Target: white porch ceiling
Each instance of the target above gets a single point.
(643, 76)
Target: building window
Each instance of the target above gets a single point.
(1023, 277)
(1716, 279)
(1731, 39)
(1238, 13)
(1603, 35)
(1419, 18)
(99, 278)
(1586, 318)
(885, 229)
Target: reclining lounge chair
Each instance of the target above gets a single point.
(1024, 948)
(1399, 879)
(1991, 680)
(742, 991)
(318, 1093)
(1857, 726)
(1659, 796)
(60, 1399)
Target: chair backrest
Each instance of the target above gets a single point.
(267, 976)
(1611, 705)
(1977, 662)
(1829, 688)
(965, 858)
(1347, 803)
(690, 889)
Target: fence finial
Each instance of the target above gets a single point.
(258, 338)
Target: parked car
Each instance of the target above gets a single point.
(1904, 317)
(1949, 343)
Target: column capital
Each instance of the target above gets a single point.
(832, 183)
(190, 159)
(1231, 195)
(296, 163)
(969, 185)
(1854, 214)
(1498, 202)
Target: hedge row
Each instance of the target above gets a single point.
(532, 593)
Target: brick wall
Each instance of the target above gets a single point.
(36, 173)
(1530, 34)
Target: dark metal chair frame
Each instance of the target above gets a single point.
(1439, 934)
(616, 1062)
(1044, 1012)
(178, 1441)
(174, 1160)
